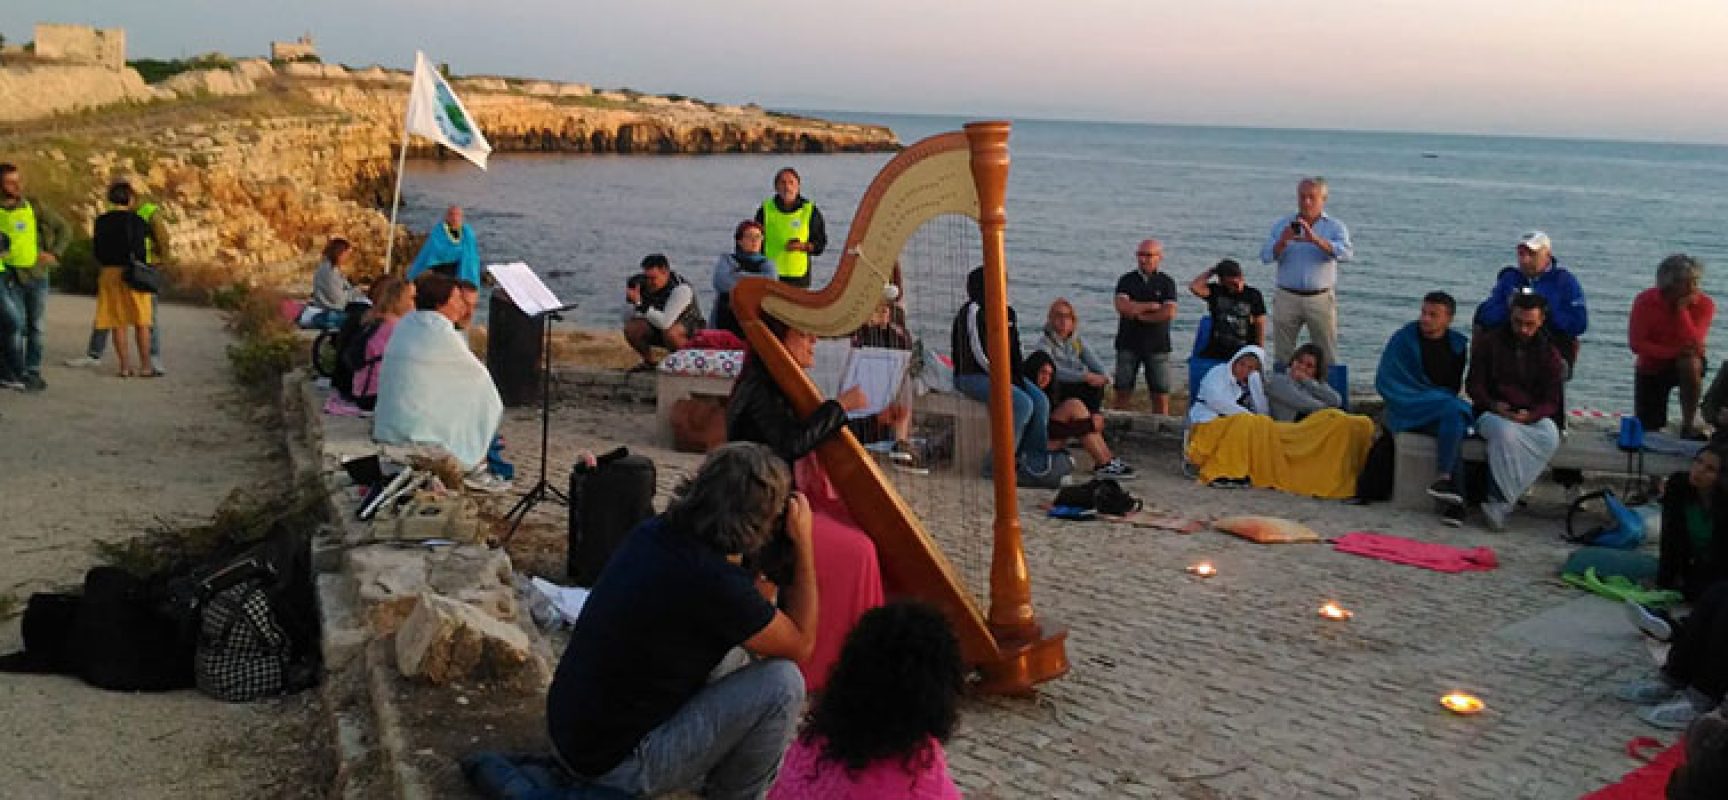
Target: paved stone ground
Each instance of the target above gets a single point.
(1233, 687)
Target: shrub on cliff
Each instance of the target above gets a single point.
(268, 345)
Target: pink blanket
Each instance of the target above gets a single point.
(1428, 555)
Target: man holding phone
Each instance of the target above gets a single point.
(1516, 375)
(1307, 247)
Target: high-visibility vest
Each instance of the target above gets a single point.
(20, 226)
(778, 228)
(145, 212)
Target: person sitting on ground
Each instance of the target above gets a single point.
(331, 290)
(1079, 373)
(1071, 419)
(846, 561)
(886, 328)
(1234, 441)
(1301, 389)
(1668, 329)
(635, 704)
(745, 260)
(1516, 376)
(432, 390)
(1031, 407)
(392, 299)
(1420, 375)
(1694, 553)
(877, 732)
(1694, 676)
(1238, 310)
(666, 312)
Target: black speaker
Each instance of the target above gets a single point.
(513, 350)
(606, 502)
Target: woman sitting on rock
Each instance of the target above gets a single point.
(1071, 419)
(892, 700)
(1234, 441)
(1079, 373)
(392, 299)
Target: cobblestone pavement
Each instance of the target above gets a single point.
(1233, 687)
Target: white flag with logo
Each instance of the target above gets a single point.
(435, 113)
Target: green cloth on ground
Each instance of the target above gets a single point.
(1608, 561)
(1619, 587)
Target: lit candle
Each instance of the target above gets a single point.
(1334, 611)
(1463, 704)
(1203, 569)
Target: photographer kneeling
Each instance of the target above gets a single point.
(632, 707)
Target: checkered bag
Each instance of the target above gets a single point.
(243, 653)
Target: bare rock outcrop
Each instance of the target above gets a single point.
(445, 640)
(34, 91)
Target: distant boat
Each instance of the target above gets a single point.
(1430, 155)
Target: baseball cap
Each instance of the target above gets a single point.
(1535, 240)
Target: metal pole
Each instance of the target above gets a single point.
(396, 203)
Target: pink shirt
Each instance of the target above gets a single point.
(805, 775)
(366, 377)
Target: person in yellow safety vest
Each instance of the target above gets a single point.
(156, 252)
(36, 237)
(792, 229)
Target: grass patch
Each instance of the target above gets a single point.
(268, 345)
(242, 519)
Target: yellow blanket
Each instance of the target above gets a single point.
(1319, 456)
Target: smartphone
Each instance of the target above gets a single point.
(1296, 228)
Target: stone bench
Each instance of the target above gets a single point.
(1586, 450)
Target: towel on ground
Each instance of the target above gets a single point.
(432, 390)
(1427, 555)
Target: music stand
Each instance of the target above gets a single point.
(536, 300)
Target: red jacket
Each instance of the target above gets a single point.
(1658, 330)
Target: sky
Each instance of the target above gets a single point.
(1610, 69)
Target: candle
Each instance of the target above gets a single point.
(1462, 704)
(1203, 569)
(1334, 611)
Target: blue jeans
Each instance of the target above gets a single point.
(31, 308)
(726, 741)
(1031, 416)
(11, 331)
(99, 337)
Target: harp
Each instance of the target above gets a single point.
(963, 174)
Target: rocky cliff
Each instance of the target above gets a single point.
(256, 167)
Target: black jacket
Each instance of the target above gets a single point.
(1682, 568)
(969, 337)
(759, 412)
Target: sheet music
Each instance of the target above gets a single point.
(878, 371)
(525, 288)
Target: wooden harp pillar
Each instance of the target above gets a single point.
(964, 173)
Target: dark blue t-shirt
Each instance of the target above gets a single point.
(1144, 337)
(664, 612)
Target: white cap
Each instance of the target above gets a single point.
(1535, 240)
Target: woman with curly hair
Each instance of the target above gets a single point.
(891, 701)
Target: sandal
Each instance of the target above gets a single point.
(126, 373)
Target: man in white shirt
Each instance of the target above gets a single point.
(666, 311)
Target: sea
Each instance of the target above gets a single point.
(1425, 211)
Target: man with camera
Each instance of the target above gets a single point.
(666, 311)
(1307, 246)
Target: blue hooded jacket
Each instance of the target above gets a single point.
(1567, 315)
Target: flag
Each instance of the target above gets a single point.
(435, 113)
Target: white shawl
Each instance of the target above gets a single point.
(1220, 393)
(432, 390)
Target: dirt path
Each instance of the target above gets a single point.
(96, 457)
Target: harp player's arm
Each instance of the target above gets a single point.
(761, 414)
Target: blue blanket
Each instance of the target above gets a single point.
(440, 250)
(1412, 401)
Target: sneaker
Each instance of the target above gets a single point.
(1229, 483)
(1496, 514)
(83, 361)
(33, 383)
(157, 370)
(1446, 491)
(1117, 468)
(1652, 624)
(1648, 691)
(11, 383)
(1676, 714)
(1453, 516)
(486, 482)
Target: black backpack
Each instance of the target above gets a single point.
(120, 632)
(351, 341)
(1102, 495)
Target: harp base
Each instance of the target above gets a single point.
(1025, 662)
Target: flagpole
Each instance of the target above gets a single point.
(396, 202)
